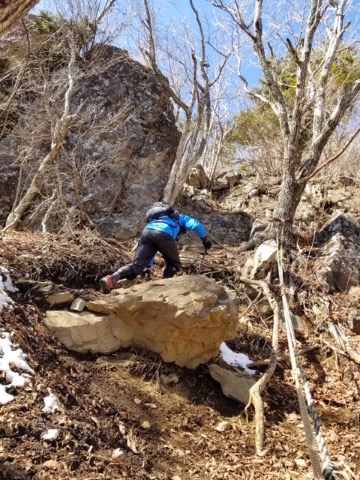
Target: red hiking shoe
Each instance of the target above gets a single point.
(106, 284)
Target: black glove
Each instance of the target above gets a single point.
(146, 272)
(207, 244)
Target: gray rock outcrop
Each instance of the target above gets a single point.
(262, 262)
(354, 320)
(197, 177)
(338, 266)
(184, 319)
(116, 158)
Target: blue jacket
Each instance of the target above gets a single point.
(171, 227)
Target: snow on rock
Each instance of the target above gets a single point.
(236, 359)
(10, 356)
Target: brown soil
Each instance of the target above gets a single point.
(106, 400)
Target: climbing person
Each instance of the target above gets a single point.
(163, 226)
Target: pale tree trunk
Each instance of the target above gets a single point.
(189, 152)
(219, 118)
(223, 131)
(60, 132)
(12, 10)
(216, 157)
(196, 129)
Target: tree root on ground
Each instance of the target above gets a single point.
(256, 390)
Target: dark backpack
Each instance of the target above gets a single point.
(161, 209)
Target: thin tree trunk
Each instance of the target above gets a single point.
(284, 213)
(182, 150)
(184, 170)
(289, 195)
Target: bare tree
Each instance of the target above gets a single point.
(311, 89)
(101, 21)
(197, 108)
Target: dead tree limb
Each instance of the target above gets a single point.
(12, 10)
(60, 132)
(283, 358)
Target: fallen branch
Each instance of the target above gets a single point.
(283, 358)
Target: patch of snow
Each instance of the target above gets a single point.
(51, 403)
(4, 396)
(9, 356)
(51, 434)
(235, 359)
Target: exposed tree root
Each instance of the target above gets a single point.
(256, 390)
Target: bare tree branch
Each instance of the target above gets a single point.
(332, 159)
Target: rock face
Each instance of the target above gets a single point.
(143, 144)
(226, 180)
(338, 268)
(197, 177)
(115, 160)
(184, 319)
(263, 261)
(354, 320)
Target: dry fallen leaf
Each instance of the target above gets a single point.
(51, 465)
(122, 428)
(223, 426)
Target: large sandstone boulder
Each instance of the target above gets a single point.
(184, 319)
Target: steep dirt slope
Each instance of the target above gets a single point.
(123, 401)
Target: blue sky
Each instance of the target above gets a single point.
(169, 13)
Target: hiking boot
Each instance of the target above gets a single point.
(106, 284)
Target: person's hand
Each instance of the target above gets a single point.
(206, 242)
(146, 272)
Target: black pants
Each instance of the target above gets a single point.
(151, 242)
